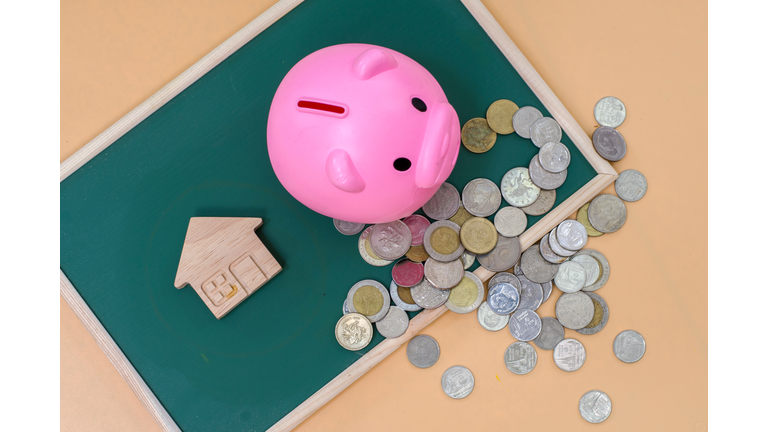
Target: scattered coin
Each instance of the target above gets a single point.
(503, 298)
(499, 116)
(570, 277)
(444, 203)
(631, 185)
(581, 216)
(545, 130)
(467, 295)
(477, 136)
(478, 235)
(595, 406)
(402, 298)
(605, 269)
(555, 245)
(422, 351)
(458, 382)
(461, 216)
(601, 315)
(390, 240)
(345, 309)
(535, 267)
(569, 355)
(543, 203)
(610, 112)
(369, 298)
(531, 294)
(574, 310)
(506, 277)
(467, 259)
(607, 213)
(520, 358)
(443, 275)
(510, 221)
(524, 324)
(353, 331)
(629, 346)
(348, 228)
(441, 241)
(552, 332)
(481, 197)
(489, 320)
(571, 234)
(503, 256)
(427, 296)
(609, 143)
(364, 247)
(524, 118)
(518, 189)
(417, 224)
(407, 273)
(394, 324)
(554, 157)
(417, 253)
(591, 267)
(543, 178)
(546, 251)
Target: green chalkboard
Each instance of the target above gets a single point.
(125, 213)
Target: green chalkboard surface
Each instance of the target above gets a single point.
(124, 214)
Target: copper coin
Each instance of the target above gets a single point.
(407, 273)
(418, 225)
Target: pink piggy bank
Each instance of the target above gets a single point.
(361, 133)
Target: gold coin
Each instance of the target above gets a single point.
(405, 295)
(368, 300)
(477, 136)
(597, 317)
(461, 216)
(463, 294)
(417, 253)
(444, 240)
(581, 216)
(500, 114)
(478, 235)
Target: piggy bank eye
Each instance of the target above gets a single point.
(419, 104)
(402, 164)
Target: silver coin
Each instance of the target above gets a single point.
(366, 282)
(543, 178)
(531, 294)
(610, 112)
(574, 310)
(480, 294)
(535, 267)
(427, 296)
(552, 332)
(609, 144)
(503, 256)
(443, 275)
(428, 241)
(604, 313)
(547, 287)
(506, 277)
(517, 270)
(591, 267)
(422, 351)
(503, 298)
(555, 245)
(607, 213)
(571, 234)
(595, 406)
(554, 157)
(605, 268)
(399, 302)
(518, 189)
(444, 203)
(545, 130)
(631, 185)
(458, 382)
(467, 258)
(394, 324)
(570, 277)
(520, 358)
(373, 260)
(481, 197)
(489, 320)
(345, 309)
(353, 331)
(391, 240)
(348, 228)
(523, 119)
(569, 355)
(524, 324)
(543, 203)
(547, 253)
(510, 221)
(629, 346)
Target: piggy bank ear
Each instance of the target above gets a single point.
(372, 62)
(342, 173)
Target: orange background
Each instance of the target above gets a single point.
(652, 55)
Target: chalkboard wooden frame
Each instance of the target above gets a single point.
(605, 175)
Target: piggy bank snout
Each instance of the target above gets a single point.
(440, 133)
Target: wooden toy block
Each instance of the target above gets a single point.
(224, 261)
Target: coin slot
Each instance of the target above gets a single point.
(419, 104)
(402, 164)
(310, 106)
